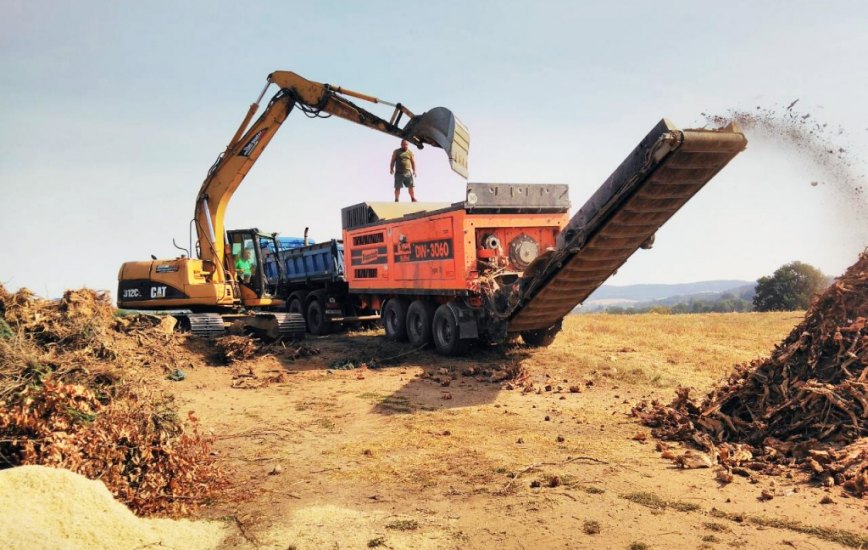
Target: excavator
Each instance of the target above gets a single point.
(207, 293)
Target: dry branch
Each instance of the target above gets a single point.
(806, 404)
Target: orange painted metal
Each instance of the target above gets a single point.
(439, 253)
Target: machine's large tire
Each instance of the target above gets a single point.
(317, 322)
(395, 319)
(445, 333)
(420, 317)
(296, 306)
(542, 338)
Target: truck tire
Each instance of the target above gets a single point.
(317, 322)
(395, 319)
(542, 338)
(445, 333)
(295, 306)
(420, 317)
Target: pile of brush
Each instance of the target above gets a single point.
(807, 404)
(72, 396)
(235, 348)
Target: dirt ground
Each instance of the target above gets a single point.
(391, 457)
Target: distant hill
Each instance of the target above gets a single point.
(660, 294)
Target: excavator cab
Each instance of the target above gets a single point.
(247, 258)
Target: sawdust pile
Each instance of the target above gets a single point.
(807, 404)
(60, 509)
(73, 395)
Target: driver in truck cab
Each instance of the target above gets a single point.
(244, 266)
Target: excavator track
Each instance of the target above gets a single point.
(272, 325)
(207, 325)
(290, 326)
(664, 172)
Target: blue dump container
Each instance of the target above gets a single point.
(268, 253)
(303, 264)
(288, 243)
(315, 262)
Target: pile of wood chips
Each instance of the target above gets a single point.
(806, 405)
(73, 395)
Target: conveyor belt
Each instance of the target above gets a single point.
(665, 171)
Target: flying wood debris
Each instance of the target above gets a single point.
(807, 404)
(822, 145)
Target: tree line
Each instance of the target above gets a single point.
(791, 287)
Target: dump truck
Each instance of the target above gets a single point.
(507, 260)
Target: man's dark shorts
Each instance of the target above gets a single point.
(403, 180)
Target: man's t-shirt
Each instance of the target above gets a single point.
(403, 161)
(243, 266)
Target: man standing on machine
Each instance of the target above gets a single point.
(403, 166)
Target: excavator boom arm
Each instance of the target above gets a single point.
(437, 127)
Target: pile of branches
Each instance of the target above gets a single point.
(807, 404)
(69, 398)
(235, 348)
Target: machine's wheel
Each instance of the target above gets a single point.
(296, 306)
(317, 322)
(445, 332)
(420, 316)
(395, 319)
(542, 338)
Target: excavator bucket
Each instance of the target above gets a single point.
(441, 127)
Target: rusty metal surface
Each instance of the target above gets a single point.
(665, 171)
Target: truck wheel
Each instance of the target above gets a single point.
(395, 319)
(317, 322)
(542, 338)
(420, 316)
(295, 306)
(445, 333)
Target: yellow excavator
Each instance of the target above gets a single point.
(206, 293)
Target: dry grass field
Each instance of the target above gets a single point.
(415, 454)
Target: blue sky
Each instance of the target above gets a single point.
(113, 111)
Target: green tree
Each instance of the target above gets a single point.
(789, 288)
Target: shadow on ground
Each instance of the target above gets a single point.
(442, 384)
